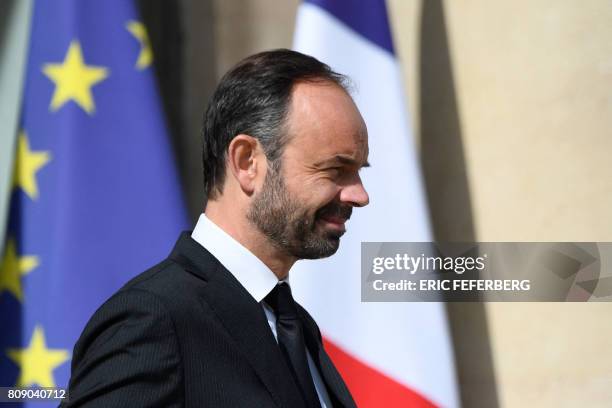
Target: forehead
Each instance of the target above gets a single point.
(323, 121)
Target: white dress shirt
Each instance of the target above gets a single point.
(253, 275)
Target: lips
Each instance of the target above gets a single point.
(333, 216)
(333, 224)
(334, 219)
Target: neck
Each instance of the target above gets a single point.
(241, 229)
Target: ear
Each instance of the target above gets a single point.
(244, 161)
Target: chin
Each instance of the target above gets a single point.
(321, 249)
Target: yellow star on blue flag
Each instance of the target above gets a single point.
(145, 56)
(27, 164)
(13, 267)
(74, 79)
(36, 362)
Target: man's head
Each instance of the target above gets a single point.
(283, 144)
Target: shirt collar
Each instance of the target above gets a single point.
(247, 268)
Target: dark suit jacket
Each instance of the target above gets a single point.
(185, 333)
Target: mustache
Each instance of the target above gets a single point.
(335, 210)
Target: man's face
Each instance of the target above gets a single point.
(302, 207)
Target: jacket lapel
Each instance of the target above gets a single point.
(243, 318)
(335, 384)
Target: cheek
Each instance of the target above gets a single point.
(320, 194)
(313, 191)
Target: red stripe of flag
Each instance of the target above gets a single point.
(371, 388)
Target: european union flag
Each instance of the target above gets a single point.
(96, 198)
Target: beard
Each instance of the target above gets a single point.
(289, 226)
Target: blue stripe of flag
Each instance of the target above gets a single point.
(366, 17)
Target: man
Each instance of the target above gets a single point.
(215, 324)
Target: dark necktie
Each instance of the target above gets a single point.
(290, 336)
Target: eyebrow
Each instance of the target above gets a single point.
(343, 159)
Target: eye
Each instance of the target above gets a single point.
(334, 171)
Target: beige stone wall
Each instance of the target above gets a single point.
(533, 101)
(533, 82)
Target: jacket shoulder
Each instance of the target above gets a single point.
(112, 359)
(170, 282)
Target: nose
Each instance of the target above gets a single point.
(355, 194)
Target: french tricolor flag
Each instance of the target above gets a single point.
(390, 354)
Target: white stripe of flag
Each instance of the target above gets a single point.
(390, 354)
